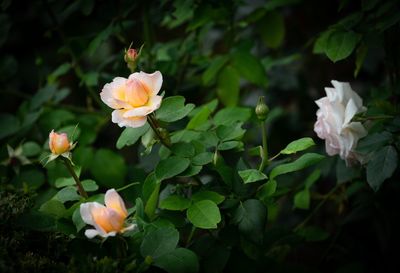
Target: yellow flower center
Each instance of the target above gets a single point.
(136, 93)
(102, 218)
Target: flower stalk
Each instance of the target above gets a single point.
(262, 111)
(79, 185)
(264, 151)
(163, 137)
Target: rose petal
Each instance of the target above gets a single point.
(112, 94)
(117, 116)
(87, 210)
(153, 104)
(152, 81)
(91, 233)
(114, 201)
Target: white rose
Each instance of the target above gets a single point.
(334, 124)
(133, 98)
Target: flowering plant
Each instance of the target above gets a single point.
(201, 150)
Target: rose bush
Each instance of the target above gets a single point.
(209, 180)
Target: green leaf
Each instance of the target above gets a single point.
(373, 142)
(99, 39)
(171, 167)
(173, 109)
(252, 175)
(228, 86)
(250, 67)
(313, 234)
(302, 162)
(312, 178)
(149, 185)
(180, 260)
(272, 29)
(108, 168)
(9, 125)
(130, 136)
(250, 217)
(159, 242)
(53, 208)
(213, 69)
(64, 181)
(298, 145)
(61, 70)
(198, 119)
(302, 199)
(175, 202)
(191, 171)
(151, 204)
(226, 133)
(228, 145)
(341, 44)
(381, 166)
(267, 190)
(31, 148)
(90, 185)
(361, 53)
(183, 149)
(321, 42)
(68, 193)
(208, 195)
(202, 158)
(204, 214)
(231, 115)
(77, 219)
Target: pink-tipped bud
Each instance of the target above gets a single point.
(131, 55)
(59, 143)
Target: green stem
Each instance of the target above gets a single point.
(264, 155)
(154, 125)
(190, 235)
(128, 186)
(320, 204)
(81, 190)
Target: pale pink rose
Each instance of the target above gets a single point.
(107, 220)
(59, 143)
(334, 124)
(133, 98)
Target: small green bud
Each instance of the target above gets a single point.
(131, 57)
(148, 260)
(262, 109)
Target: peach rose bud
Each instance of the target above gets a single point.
(107, 220)
(59, 143)
(131, 55)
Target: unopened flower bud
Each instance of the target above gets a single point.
(131, 58)
(130, 55)
(59, 143)
(261, 109)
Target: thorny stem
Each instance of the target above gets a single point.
(81, 190)
(154, 125)
(264, 155)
